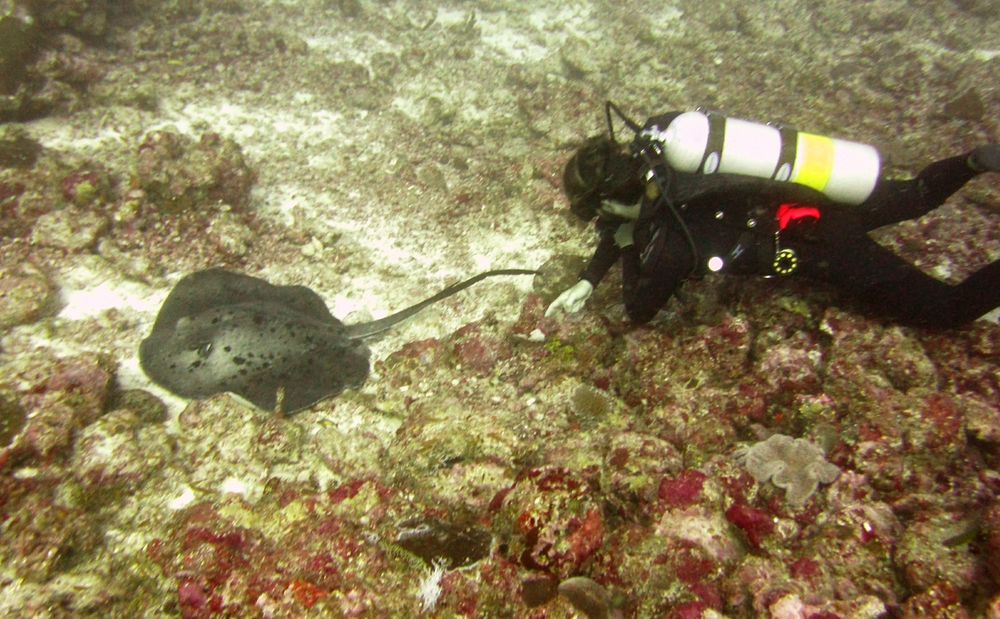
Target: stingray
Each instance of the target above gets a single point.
(277, 347)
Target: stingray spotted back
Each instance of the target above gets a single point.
(222, 331)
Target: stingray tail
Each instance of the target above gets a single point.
(367, 329)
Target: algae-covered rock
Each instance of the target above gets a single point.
(88, 18)
(147, 408)
(17, 148)
(69, 229)
(556, 275)
(12, 418)
(26, 294)
(18, 48)
(41, 72)
(180, 174)
(107, 455)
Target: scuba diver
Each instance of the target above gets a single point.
(697, 192)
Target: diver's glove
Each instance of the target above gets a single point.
(571, 301)
(623, 235)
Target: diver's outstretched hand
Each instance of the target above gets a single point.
(571, 301)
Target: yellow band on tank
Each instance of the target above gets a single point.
(814, 162)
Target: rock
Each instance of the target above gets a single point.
(180, 174)
(26, 294)
(537, 590)
(982, 421)
(12, 418)
(940, 601)
(43, 538)
(578, 58)
(61, 397)
(69, 229)
(87, 18)
(927, 555)
(17, 148)
(901, 358)
(587, 596)
(18, 47)
(233, 237)
(435, 540)
(107, 456)
(969, 106)
(147, 408)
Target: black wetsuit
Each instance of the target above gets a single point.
(735, 219)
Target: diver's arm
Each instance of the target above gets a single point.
(573, 299)
(605, 256)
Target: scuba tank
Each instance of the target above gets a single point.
(707, 143)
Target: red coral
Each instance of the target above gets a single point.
(708, 592)
(691, 569)
(944, 419)
(554, 478)
(477, 350)
(192, 600)
(587, 537)
(347, 490)
(755, 523)
(304, 592)
(803, 567)
(688, 610)
(682, 490)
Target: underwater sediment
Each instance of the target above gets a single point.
(497, 463)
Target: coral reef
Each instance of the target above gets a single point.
(45, 70)
(498, 463)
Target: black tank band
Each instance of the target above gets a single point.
(716, 140)
(789, 149)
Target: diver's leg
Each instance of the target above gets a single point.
(920, 300)
(894, 201)
(894, 288)
(976, 295)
